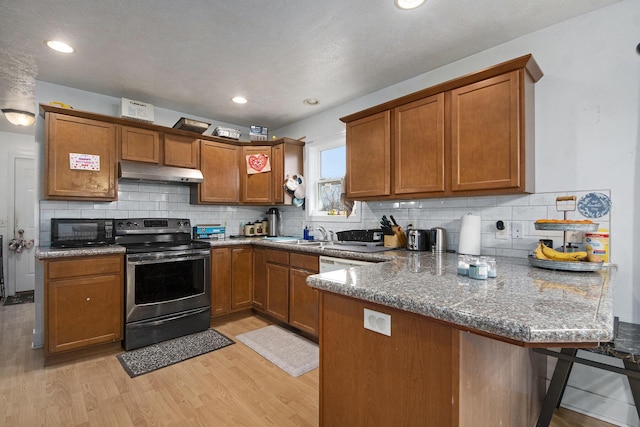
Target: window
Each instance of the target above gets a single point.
(327, 166)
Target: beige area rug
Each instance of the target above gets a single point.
(291, 353)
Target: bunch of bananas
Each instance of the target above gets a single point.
(545, 252)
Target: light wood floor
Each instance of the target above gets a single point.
(233, 386)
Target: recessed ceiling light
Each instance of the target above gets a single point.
(311, 101)
(59, 46)
(239, 100)
(408, 4)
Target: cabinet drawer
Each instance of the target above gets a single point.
(84, 266)
(305, 262)
(277, 257)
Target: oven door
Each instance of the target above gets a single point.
(168, 282)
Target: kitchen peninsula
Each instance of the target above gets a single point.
(459, 350)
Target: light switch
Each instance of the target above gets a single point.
(377, 322)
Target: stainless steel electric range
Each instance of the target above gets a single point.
(168, 280)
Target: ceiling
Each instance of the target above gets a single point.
(194, 56)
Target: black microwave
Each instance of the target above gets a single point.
(82, 232)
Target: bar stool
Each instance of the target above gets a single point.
(625, 346)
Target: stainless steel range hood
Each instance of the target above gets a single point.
(156, 173)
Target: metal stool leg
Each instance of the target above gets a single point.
(556, 388)
(634, 383)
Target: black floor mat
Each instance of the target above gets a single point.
(19, 298)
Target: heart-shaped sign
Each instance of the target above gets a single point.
(258, 163)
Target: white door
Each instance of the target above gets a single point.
(22, 265)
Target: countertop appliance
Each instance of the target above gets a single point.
(273, 221)
(328, 263)
(168, 280)
(439, 239)
(419, 240)
(373, 235)
(82, 232)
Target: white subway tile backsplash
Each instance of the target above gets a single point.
(172, 201)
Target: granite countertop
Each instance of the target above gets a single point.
(525, 304)
(46, 252)
(529, 305)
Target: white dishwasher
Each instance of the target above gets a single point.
(328, 263)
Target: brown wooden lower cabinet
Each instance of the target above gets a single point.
(425, 374)
(303, 299)
(277, 297)
(280, 287)
(84, 302)
(259, 279)
(231, 279)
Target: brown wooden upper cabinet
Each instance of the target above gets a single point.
(81, 159)
(220, 166)
(99, 141)
(469, 136)
(486, 145)
(369, 156)
(419, 161)
(150, 146)
(286, 160)
(256, 188)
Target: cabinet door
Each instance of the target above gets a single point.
(369, 156)
(303, 307)
(74, 135)
(255, 187)
(419, 146)
(84, 311)
(220, 281)
(278, 291)
(220, 166)
(241, 277)
(181, 151)
(277, 172)
(139, 145)
(259, 278)
(486, 147)
(356, 359)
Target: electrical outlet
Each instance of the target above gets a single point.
(503, 234)
(517, 230)
(377, 322)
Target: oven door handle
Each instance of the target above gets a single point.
(158, 257)
(145, 323)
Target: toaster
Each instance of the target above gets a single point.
(419, 240)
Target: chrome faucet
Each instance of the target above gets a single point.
(323, 231)
(332, 234)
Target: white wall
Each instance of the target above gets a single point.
(587, 138)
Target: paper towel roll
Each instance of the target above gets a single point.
(469, 235)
